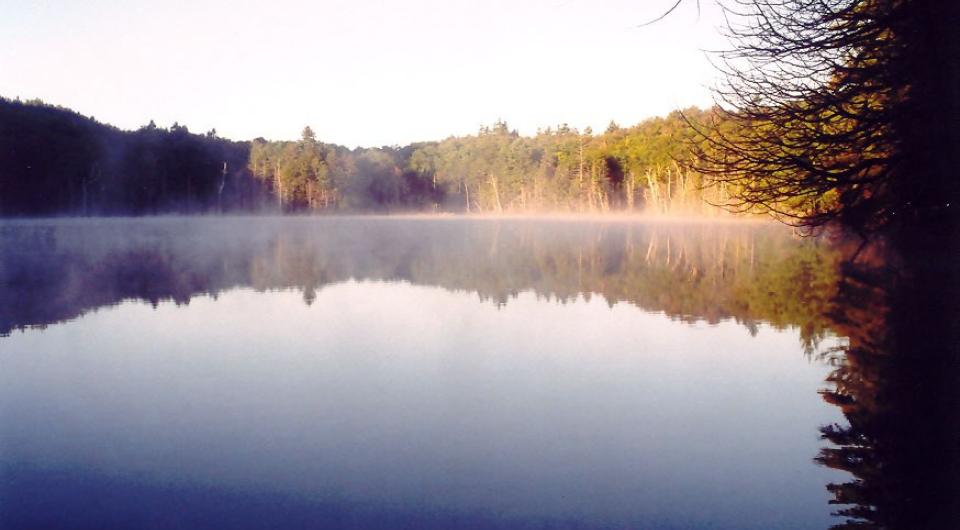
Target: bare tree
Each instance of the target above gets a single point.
(838, 110)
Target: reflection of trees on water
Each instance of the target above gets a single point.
(753, 273)
(896, 382)
(895, 379)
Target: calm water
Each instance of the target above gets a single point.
(410, 373)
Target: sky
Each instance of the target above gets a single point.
(359, 72)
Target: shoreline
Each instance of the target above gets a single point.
(429, 216)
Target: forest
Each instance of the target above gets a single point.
(57, 162)
(559, 169)
(837, 112)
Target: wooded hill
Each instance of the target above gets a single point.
(56, 161)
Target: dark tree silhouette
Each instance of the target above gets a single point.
(54, 161)
(896, 383)
(839, 110)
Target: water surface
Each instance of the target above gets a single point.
(412, 373)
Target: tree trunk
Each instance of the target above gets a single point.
(496, 193)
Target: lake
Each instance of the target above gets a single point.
(381, 373)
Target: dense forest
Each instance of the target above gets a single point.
(558, 169)
(55, 161)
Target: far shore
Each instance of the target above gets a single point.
(478, 216)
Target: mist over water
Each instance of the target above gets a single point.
(412, 373)
(57, 269)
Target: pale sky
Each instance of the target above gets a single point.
(359, 72)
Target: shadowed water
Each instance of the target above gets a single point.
(415, 373)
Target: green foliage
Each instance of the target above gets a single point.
(57, 161)
(560, 170)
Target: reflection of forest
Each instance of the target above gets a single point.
(897, 382)
(896, 377)
(753, 273)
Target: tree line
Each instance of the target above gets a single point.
(643, 167)
(56, 161)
